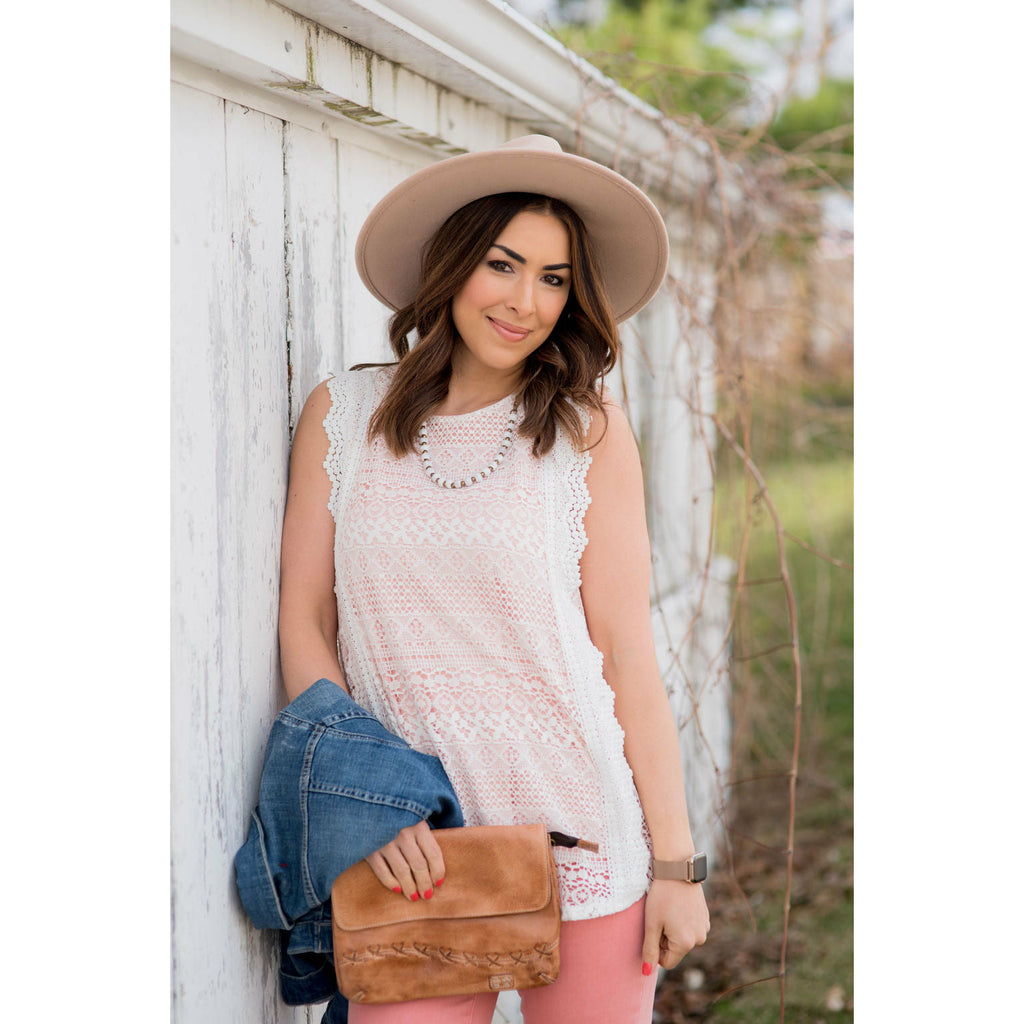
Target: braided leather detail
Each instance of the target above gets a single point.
(419, 951)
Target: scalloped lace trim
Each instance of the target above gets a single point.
(345, 424)
(627, 852)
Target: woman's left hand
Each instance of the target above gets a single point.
(675, 920)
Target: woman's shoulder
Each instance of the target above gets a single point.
(615, 482)
(609, 428)
(359, 378)
(344, 386)
(334, 397)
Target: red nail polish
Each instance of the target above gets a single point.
(437, 884)
(647, 970)
(428, 894)
(414, 897)
(397, 888)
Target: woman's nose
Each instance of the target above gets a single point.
(520, 298)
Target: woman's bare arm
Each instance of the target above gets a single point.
(308, 622)
(615, 574)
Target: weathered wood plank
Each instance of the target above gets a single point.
(253, 427)
(365, 176)
(316, 307)
(229, 398)
(200, 311)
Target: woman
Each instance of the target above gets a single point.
(466, 530)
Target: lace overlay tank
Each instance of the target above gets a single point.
(461, 628)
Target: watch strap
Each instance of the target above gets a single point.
(693, 869)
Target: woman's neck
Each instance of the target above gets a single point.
(469, 390)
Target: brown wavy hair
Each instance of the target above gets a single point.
(559, 378)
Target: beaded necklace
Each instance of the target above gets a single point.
(480, 474)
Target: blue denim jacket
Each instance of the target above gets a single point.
(336, 785)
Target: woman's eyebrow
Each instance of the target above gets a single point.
(521, 259)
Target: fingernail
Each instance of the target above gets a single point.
(437, 884)
(428, 894)
(414, 897)
(397, 888)
(647, 970)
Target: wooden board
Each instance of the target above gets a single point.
(316, 308)
(229, 445)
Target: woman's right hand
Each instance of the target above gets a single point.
(411, 863)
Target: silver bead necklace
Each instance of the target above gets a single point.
(480, 474)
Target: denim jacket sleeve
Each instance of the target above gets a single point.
(335, 786)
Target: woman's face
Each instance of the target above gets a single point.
(513, 299)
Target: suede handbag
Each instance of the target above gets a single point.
(495, 924)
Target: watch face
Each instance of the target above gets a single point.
(698, 867)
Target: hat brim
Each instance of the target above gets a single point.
(626, 231)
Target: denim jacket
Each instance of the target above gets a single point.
(336, 785)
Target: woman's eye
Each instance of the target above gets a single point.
(499, 265)
(554, 280)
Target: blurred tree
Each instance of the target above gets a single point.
(821, 126)
(656, 49)
(659, 49)
(719, 7)
(716, 6)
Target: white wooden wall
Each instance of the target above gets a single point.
(266, 202)
(230, 429)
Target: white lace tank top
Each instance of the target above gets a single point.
(462, 629)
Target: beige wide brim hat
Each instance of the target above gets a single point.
(626, 231)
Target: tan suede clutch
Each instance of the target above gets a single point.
(493, 925)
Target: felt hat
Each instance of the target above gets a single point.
(626, 231)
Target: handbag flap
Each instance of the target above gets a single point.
(489, 871)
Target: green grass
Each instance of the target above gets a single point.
(813, 497)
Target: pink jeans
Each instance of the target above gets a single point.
(601, 980)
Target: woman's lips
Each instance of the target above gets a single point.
(509, 331)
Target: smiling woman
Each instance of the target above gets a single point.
(465, 551)
(508, 308)
(503, 265)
